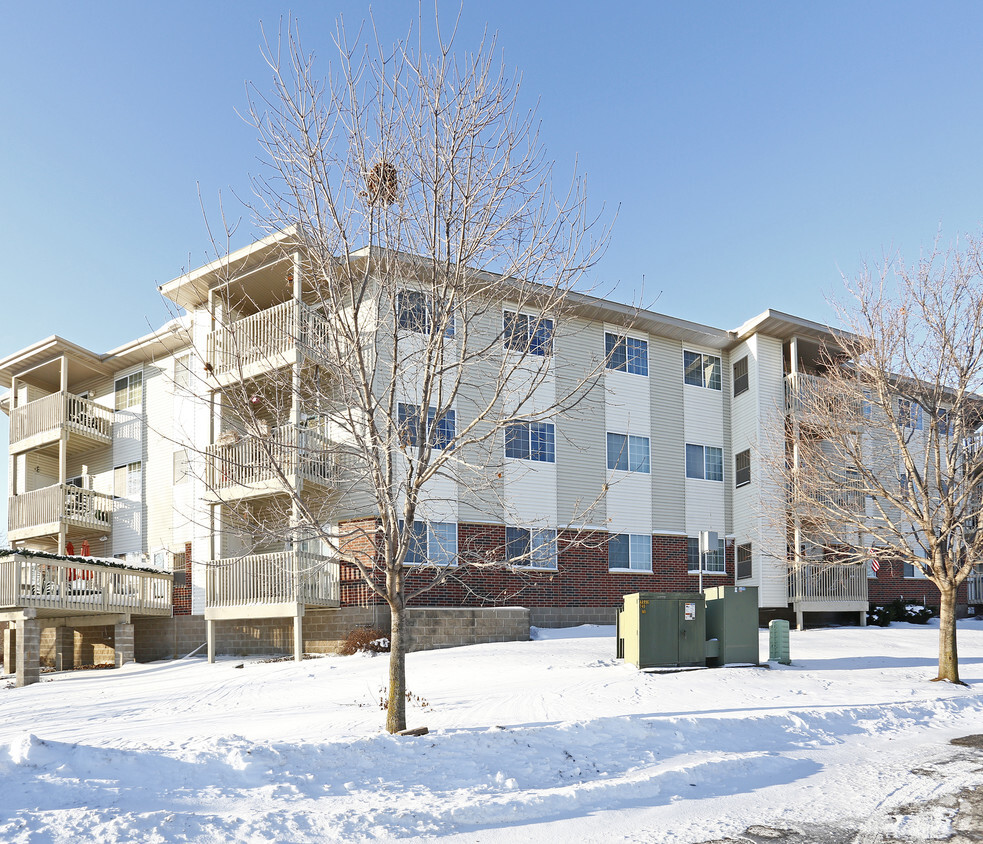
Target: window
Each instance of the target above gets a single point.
(181, 467)
(705, 463)
(741, 381)
(442, 430)
(531, 548)
(701, 370)
(531, 441)
(629, 552)
(128, 480)
(415, 311)
(742, 468)
(944, 423)
(628, 453)
(179, 562)
(526, 333)
(909, 414)
(714, 561)
(744, 561)
(182, 372)
(431, 543)
(626, 354)
(911, 570)
(129, 391)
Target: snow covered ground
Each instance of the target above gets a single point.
(548, 740)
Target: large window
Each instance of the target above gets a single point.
(182, 372)
(442, 430)
(531, 547)
(629, 552)
(531, 441)
(744, 561)
(701, 370)
(741, 381)
(528, 333)
(742, 468)
(714, 562)
(181, 466)
(628, 453)
(432, 543)
(415, 311)
(626, 354)
(909, 414)
(129, 391)
(704, 462)
(128, 480)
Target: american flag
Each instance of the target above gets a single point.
(874, 565)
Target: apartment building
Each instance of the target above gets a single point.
(127, 456)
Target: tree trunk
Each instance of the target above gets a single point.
(948, 657)
(396, 711)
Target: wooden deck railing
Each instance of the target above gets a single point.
(277, 578)
(806, 395)
(53, 411)
(252, 460)
(974, 587)
(264, 335)
(828, 583)
(79, 507)
(56, 584)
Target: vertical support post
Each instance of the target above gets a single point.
(14, 480)
(63, 456)
(295, 457)
(210, 638)
(123, 644)
(28, 657)
(796, 523)
(64, 648)
(299, 634)
(10, 649)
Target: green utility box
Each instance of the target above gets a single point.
(732, 619)
(662, 628)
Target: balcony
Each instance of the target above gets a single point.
(828, 587)
(252, 466)
(41, 512)
(41, 422)
(58, 586)
(808, 396)
(264, 341)
(270, 585)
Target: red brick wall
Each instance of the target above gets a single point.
(182, 594)
(581, 579)
(890, 584)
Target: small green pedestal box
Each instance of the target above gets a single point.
(732, 619)
(662, 629)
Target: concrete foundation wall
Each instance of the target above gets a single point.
(571, 616)
(325, 630)
(92, 646)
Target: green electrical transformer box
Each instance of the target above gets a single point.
(732, 619)
(662, 629)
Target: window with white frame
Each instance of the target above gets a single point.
(527, 333)
(128, 480)
(531, 441)
(700, 370)
(415, 311)
(129, 391)
(442, 430)
(628, 453)
(909, 414)
(741, 381)
(714, 562)
(181, 466)
(629, 552)
(742, 468)
(704, 462)
(626, 354)
(531, 547)
(432, 543)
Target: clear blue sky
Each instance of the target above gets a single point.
(754, 149)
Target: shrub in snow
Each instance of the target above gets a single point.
(899, 610)
(365, 640)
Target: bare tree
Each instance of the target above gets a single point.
(433, 270)
(885, 450)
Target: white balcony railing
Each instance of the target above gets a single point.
(827, 583)
(808, 395)
(257, 461)
(82, 508)
(263, 336)
(278, 578)
(59, 584)
(57, 410)
(974, 586)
